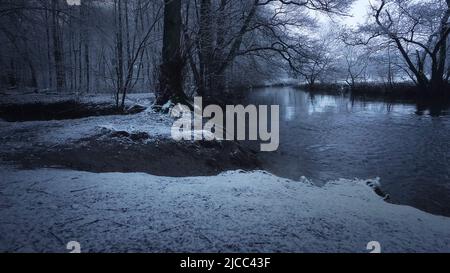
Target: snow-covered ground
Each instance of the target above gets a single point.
(42, 210)
(21, 97)
(21, 135)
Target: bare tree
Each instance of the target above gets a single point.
(419, 30)
(229, 29)
(356, 62)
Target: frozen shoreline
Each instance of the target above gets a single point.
(44, 209)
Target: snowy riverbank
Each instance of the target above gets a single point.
(21, 135)
(42, 210)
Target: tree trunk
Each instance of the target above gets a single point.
(171, 69)
(219, 76)
(57, 49)
(49, 54)
(119, 49)
(85, 40)
(206, 48)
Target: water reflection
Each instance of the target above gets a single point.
(323, 104)
(434, 108)
(327, 137)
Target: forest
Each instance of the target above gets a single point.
(177, 49)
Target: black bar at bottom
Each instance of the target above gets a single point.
(220, 262)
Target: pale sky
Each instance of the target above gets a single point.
(73, 2)
(358, 11)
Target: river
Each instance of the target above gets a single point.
(327, 137)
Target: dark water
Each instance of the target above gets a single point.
(326, 137)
